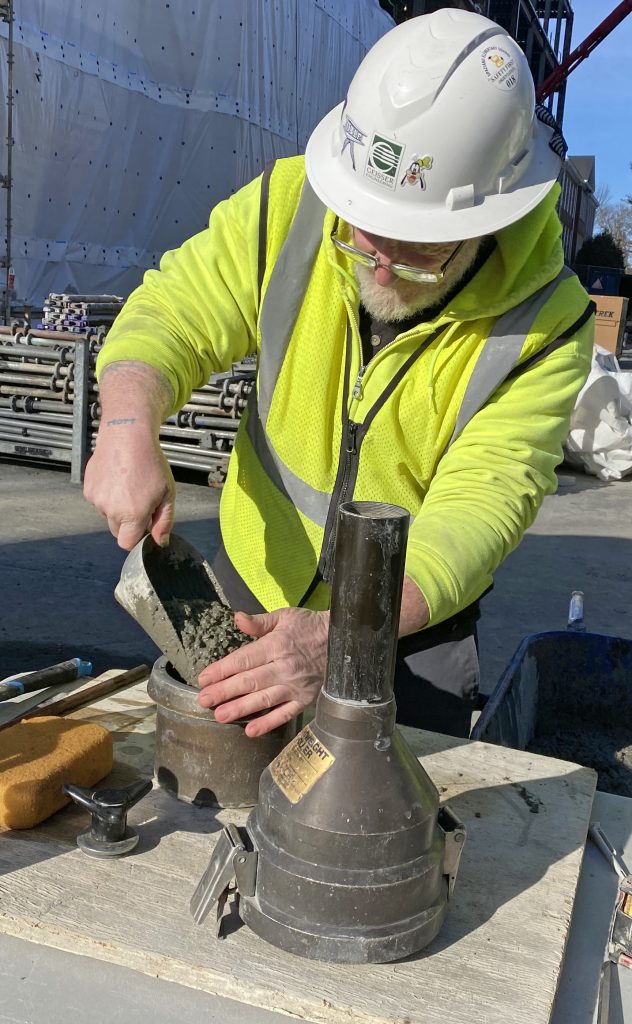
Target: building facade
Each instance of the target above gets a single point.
(577, 206)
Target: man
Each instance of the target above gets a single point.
(419, 342)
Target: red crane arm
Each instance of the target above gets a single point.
(585, 48)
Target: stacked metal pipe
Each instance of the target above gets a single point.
(202, 434)
(39, 378)
(44, 415)
(78, 313)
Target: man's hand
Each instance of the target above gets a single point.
(283, 670)
(128, 478)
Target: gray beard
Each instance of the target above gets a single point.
(403, 299)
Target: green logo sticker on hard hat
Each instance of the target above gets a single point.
(500, 67)
(383, 161)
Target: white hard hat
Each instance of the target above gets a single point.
(438, 139)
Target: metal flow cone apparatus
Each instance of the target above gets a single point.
(347, 856)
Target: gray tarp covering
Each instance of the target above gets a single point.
(132, 119)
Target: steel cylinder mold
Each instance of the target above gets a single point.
(199, 760)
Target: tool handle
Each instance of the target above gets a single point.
(61, 705)
(603, 844)
(64, 672)
(108, 807)
(576, 612)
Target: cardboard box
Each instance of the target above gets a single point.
(610, 320)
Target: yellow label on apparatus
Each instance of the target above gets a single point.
(300, 765)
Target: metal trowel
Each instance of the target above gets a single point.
(154, 578)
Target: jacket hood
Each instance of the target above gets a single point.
(527, 255)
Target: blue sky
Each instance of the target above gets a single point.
(598, 109)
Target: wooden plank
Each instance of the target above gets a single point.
(497, 958)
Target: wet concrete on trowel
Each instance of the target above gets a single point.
(207, 631)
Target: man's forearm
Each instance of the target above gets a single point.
(414, 612)
(128, 478)
(133, 394)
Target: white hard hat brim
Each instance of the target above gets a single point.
(343, 192)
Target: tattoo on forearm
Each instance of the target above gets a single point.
(117, 423)
(153, 382)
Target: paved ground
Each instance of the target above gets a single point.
(59, 566)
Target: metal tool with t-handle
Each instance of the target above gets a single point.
(109, 834)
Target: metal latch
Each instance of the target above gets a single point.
(230, 860)
(620, 936)
(455, 835)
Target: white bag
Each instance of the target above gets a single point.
(600, 438)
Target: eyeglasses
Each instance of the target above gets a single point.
(403, 270)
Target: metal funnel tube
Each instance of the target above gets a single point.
(365, 601)
(349, 857)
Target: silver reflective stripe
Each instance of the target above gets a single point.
(286, 291)
(502, 350)
(312, 503)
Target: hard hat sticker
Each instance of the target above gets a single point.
(383, 161)
(300, 765)
(354, 136)
(414, 173)
(500, 67)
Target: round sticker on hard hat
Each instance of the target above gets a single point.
(500, 67)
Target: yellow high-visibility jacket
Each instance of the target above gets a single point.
(459, 420)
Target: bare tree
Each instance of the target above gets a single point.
(616, 219)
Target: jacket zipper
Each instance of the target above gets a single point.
(351, 458)
(357, 387)
(353, 437)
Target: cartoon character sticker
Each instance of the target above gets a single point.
(354, 136)
(414, 173)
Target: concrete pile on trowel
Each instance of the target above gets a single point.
(175, 597)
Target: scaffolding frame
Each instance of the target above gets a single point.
(6, 180)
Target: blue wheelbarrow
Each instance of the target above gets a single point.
(567, 694)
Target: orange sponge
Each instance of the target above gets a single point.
(37, 756)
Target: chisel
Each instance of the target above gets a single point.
(64, 672)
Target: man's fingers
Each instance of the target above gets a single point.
(129, 534)
(257, 679)
(251, 703)
(274, 719)
(256, 625)
(113, 526)
(162, 521)
(246, 658)
(274, 677)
